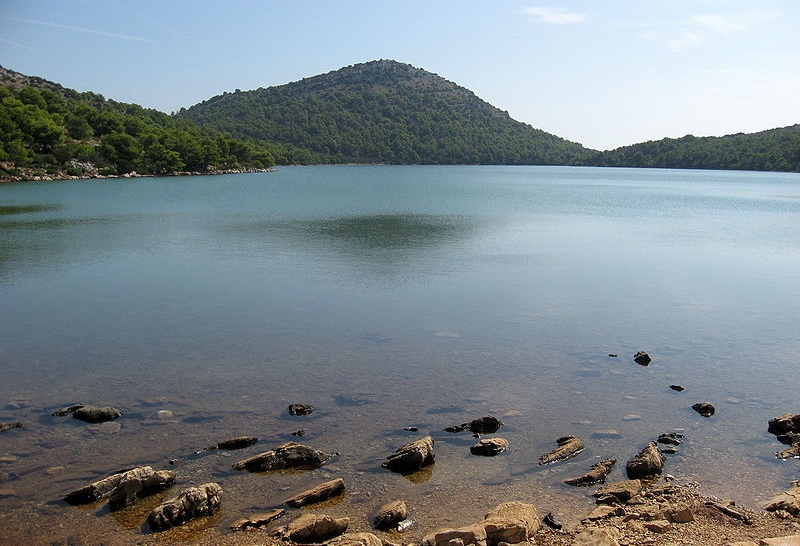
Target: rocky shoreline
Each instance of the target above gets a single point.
(91, 173)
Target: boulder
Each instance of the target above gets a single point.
(89, 414)
(511, 522)
(473, 534)
(618, 492)
(706, 409)
(257, 521)
(597, 474)
(568, 447)
(287, 455)
(489, 447)
(389, 515)
(487, 424)
(313, 528)
(238, 443)
(137, 483)
(642, 358)
(412, 456)
(319, 493)
(94, 491)
(191, 503)
(788, 500)
(647, 464)
(788, 422)
(301, 409)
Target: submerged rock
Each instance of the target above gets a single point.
(319, 493)
(412, 456)
(89, 414)
(706, 409)
(301, 409)
(488, 424)
(191, 503)
(389, 515)
(257, 521)
(568, 447)
(642, 358)
(597, 474)
(677, 388)
(238, 443)
(287, 455)
(489, 447)
(647, 464)
(670, 438)
(9, 426)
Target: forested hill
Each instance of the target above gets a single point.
(48, 131)
(773, 150)
(384, 112)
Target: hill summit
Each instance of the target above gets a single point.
(383, 112)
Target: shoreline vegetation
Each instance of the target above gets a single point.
(380, 112)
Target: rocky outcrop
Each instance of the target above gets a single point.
(123, 487)
(412, 456)
(706, 409)
(319, 493)
(488, 424)
(788, 422)
(313, 529)
(511, 522)
(647, 464)
(788, 501)
(287, 455)
(257, 521)
(489, 447)
(89, 414)
(389, 515)
(301, 409)
(568, 447)
(597, 474)
(191, 503)
(238, 443)
(618, 492)
(137, 483)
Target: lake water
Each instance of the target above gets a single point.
(391, 297)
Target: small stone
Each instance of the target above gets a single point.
(390, 515)
(164, 415)
(642, 358)
(658, 526)
(552, 522)
(55, 470)
(677, 388)
(631, 417)
(301, 409)
(111, 427)
(706, 409)
(489, 447)
(681, 514)
(257, 521)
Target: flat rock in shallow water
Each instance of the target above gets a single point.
(287, 455)
(389, 515)
(138, 482)
(190, 503)
(89, 414)
(257, 521)
(237, 443)
(597, 474)
(568, 447)
(319, 493)
(313, 528)
(489, 447)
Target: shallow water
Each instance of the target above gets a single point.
(391, 297)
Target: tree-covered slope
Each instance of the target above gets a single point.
(773, 150)
(50, 131)
(383, 112)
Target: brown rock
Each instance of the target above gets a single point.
(597, 474)
(605, 511)
(568, 447)
(793, 540)
(788, 500)
(658, 526)
(390, 514)
(681, 514)
(137, 483)
(489, 447)
(647, 464)
(511, 522)
(314, 528)
(621, 492)
(706, 409)
(190, 503)
(319, 493)
(786, 423)
(597, 537)
(473, 534)
(9, 426)
(288, 455)
(356, 539)
(412, 456)
(257, 521)
(237, 443)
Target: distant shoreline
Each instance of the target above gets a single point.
(34, 175)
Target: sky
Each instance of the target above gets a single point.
(603, 73)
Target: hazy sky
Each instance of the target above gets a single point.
(602, 73)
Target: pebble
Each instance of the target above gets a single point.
(164, 415)
(631, 417)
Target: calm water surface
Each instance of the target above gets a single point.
(391, 297)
